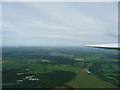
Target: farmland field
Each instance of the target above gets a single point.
(52, 67)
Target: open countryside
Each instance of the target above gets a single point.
(59, 67)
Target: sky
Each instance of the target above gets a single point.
(59, 24)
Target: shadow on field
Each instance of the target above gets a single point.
(52, 79)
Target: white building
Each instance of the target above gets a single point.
(32, 78)
(20, 73)
(18, 81)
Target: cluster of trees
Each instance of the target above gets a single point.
(106, 70)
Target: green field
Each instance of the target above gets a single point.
(57, 67)
(82, 79)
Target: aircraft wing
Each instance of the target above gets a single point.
(105, 46)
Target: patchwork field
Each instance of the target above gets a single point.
(38, 68)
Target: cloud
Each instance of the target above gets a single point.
(65, 24)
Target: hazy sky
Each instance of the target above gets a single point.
(59, 24)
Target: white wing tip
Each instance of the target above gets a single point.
(104, 46)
